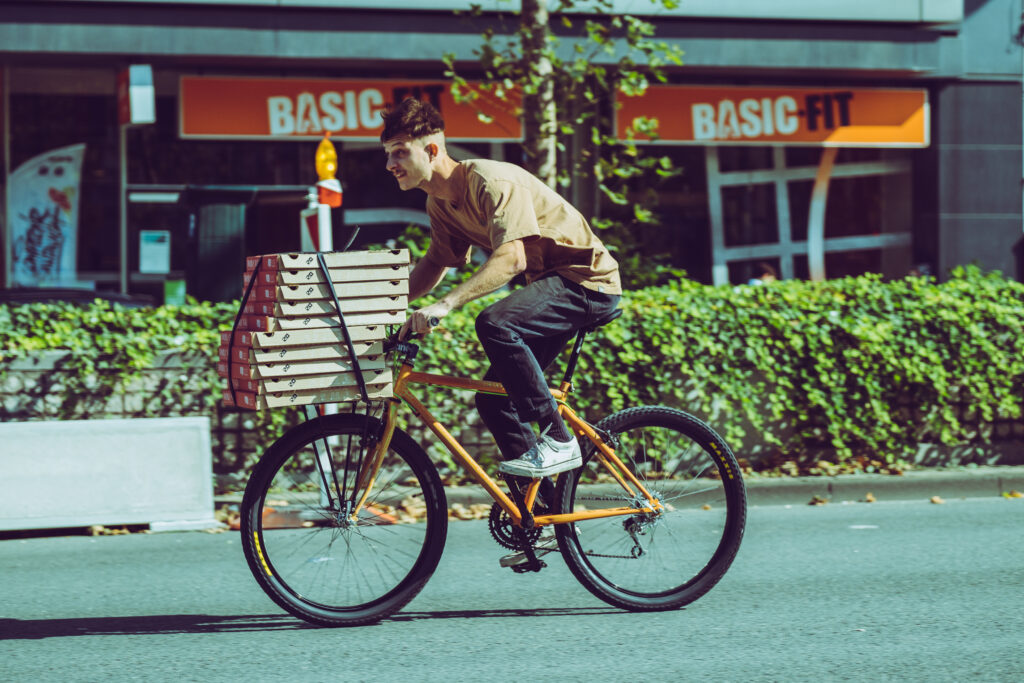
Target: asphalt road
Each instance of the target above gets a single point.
(887, 591)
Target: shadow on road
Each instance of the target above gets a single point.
(24, 629)
(18, 629)
(498, 613)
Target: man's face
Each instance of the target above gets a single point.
(408, 161)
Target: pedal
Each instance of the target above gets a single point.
(525, 567)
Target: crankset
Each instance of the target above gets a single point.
(501, 528)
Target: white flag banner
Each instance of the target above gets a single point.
(43, 216)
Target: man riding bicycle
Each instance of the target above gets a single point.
(528, 228)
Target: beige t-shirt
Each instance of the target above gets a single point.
(500, 202)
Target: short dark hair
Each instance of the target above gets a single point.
(411, 117)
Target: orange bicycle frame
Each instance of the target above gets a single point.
(605, 454)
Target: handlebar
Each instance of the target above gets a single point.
(405, 346)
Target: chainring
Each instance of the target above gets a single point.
(502, 528)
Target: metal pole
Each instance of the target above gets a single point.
(816, 221)
(325, 235)
(6, 135)
(122, 150)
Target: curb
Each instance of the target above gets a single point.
(973, 482)
(969, 482)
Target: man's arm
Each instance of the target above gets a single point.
(424, 277)
(507, 261)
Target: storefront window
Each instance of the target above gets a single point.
(744, 158)
(854, 206)
(682, 238)
(42, 122)
(811, 156)
(749, 215)
(844, 263)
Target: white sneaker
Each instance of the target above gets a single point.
(547, 457)
(545, 544)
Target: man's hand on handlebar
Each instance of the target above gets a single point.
(424, 320)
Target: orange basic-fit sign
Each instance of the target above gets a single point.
(254, 108)
(789, 116)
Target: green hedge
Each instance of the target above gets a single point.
(849, 368)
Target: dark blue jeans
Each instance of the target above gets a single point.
(522, 335)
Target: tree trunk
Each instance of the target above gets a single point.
(539, 117)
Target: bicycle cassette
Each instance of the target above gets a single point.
(501, 528)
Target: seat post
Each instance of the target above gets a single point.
(574, 356)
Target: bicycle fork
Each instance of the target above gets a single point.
(349, 505)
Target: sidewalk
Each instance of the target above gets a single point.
(924, 484)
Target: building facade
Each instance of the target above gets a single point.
(173, 201)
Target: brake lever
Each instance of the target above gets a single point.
(406, 345)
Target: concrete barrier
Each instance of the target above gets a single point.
(154, 471)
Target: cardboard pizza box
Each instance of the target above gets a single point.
(337, 259)
(243, 399)
(267, 323)
(332, 380)
(247, 354)
(314, 337)
(353, 305)
(296, 293)
(339, 276)
(255, 370)
(304, 337)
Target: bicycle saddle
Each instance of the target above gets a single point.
(601, 322)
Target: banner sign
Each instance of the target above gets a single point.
(43, 217)
(839, 117)
(260, 108)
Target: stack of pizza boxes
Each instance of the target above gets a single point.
(289, 348)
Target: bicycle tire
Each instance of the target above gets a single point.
(656, 562)
(320, 566)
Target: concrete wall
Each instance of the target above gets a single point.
(107, 472)
(977, 147)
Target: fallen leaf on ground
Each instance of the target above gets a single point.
(475, 511)
(870, 498)
(937, 500)
(818, 500)
(1013, 494)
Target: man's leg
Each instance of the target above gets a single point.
(513, 435)
(499, 415)
(539, 316)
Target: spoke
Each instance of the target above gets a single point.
(684, 493)
(343, 563)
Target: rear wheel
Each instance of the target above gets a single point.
(306, 548)
(662, 560)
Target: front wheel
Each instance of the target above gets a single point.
(666, 559)
(314, 550)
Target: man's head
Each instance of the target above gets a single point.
(412, 118)
(413, 140)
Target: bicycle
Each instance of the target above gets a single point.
(344, 518)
